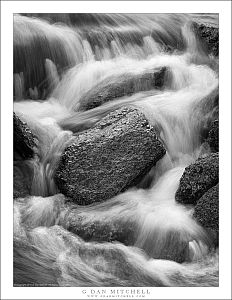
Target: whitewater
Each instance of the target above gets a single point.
(57, 67)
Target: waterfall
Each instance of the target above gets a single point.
(61, 65)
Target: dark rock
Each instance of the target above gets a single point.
(206, 211)
(197, 179)
(24, 140)
(210, 37)
(107, 159)
(213, 137)
(124, 85)
(22, 179)
(20, 189)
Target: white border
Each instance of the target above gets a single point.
(224, 10)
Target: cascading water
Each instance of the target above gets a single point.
(57, 69)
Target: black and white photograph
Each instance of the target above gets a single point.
(116, 150)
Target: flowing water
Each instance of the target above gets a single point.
(141, 237)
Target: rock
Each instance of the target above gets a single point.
(205, 112)
(206, 211)
(24, 139)
(109, 158)
(20, 188)
(213, 136)
(96, 226)
(124, 85)
(98, 230)
(22, 178)
(24, 146)
(197, 179)
(210, 36)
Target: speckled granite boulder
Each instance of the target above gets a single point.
(206, 212)
(107, 159)
(210, 36)
(24, 140)
(213, 136)
(123, 85)
(197, 179)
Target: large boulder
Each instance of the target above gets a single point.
(122, 85)
(24, 139)
(108, 158)
(213, 136)
(197, 179)
(206, 211)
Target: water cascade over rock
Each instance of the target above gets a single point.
(116, 150)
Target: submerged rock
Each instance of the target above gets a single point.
(24, 139)
(96, 224)
(122, 85)
(100, 231)
(206, 212)
(109, 158)
(197, 179)
(213, 136)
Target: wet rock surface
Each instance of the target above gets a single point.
(213, 136)
(206, 211)
(210, 36)
(197, 179)
(100, 231)
(109, 158)
(122, 85)
(24, 139)
(22, 178)
(20, 188)
(99, 227)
